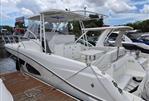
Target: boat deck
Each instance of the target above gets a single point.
(26, 88)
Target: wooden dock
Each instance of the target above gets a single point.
(26, 88)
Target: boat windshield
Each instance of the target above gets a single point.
(60, 28)
(33, 30)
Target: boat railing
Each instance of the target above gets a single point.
(84, 42)
(18, 38)
(83, 38)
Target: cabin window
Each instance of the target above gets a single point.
(31, 69)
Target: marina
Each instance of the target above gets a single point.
(74, 55)
(57, 59)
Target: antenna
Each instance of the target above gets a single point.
(85, 7)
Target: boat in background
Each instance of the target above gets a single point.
(110, 35)
(144, 38)
(138, 36)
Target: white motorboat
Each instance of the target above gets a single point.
(56, 59)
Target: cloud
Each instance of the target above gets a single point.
(119, 6)
(116, 9)
(32, 5)
(26, 12)
(140, 2)
(123, 18)
(97, 2)
(145, 9)
(4, 16)
(3, 2)
(37, 6)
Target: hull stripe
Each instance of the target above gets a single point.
(57, 76)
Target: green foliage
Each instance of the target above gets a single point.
(9, 28)
(140, 25)
(76, 28)
(94, 22)
(19, 25)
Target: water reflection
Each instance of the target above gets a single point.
(7, 65)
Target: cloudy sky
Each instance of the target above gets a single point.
(118, 11)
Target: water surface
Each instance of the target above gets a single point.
(6, 63)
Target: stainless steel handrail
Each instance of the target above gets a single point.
(20, 40)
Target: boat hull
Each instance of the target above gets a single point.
(51, 78)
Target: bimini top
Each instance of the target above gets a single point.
(119, 28)
(58, 16)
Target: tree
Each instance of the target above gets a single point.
(74, 28)
(9, 28)
(140, 25)
(95, 21)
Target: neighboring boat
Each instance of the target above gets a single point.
(133, 35)
(138, 37)
(110, 34)
(144, 38)
(56, 59)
